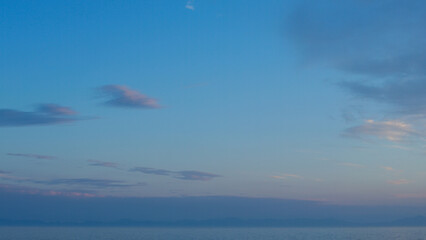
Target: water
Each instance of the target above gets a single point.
(121, 233)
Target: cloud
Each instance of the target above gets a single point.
(36, 156)
(399, 181)
(184, 175)
(392, 130)
(287, 175)
(98, 163)
(122, 96)
(380, 46)
(190, 5)
(45, 114)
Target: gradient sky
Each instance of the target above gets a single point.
(307, 100)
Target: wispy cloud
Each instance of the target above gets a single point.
(45, 114)
(8, 176)
(98, 163)
(190, 5)
(399, 181)
(387, 168)
(392, 130)
(123, 96)
(184, 175)
(28, 155)
(54, 109)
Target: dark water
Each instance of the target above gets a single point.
(119, 233)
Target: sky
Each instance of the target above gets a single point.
(320, 101)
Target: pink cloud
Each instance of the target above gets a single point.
(123, 96)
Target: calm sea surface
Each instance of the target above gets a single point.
(119, 233)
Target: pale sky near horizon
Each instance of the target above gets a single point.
(309, 100)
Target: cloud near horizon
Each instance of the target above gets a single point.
(45, 114)
(89, 182)
(184, 175)
(123, 96)
(44, 192)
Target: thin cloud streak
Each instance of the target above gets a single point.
(97, 163)
(183, 175)
(36, 156)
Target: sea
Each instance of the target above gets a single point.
(136, 233)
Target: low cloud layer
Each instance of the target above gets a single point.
(27, 155)
(123, 96)
(184, 175)
(43, 192)
(45, 114)
(70, 182)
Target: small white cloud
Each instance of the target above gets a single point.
(190, 5)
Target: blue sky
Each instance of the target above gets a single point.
(305, 100)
